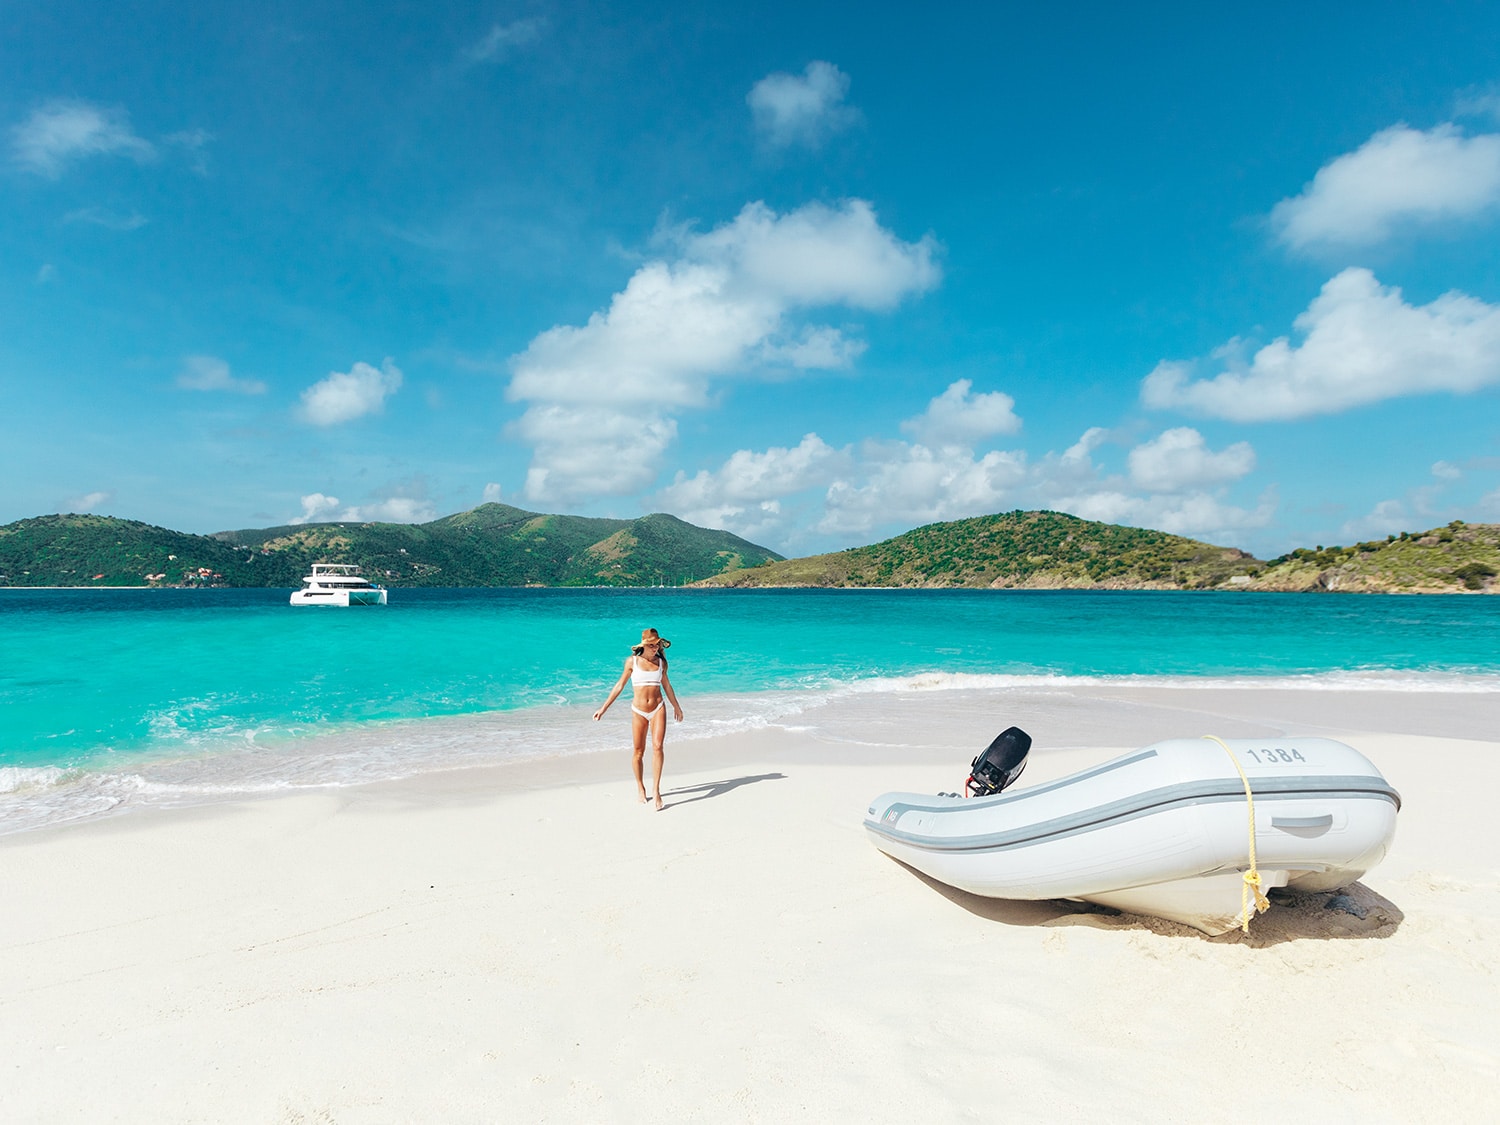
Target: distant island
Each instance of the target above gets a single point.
(499, 545)
(1051, 550)
(491, 545)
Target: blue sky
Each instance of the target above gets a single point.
(813, 274)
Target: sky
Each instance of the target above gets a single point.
(813, 273)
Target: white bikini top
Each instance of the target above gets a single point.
(639, 675)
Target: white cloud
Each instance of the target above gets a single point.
(1361, 344)
(912, 484)
(744, 495)
(957, 417)
(492, 493)
(578, 451)
(501, 38)
(818, 255)
(785, 496)
(88, 502)
(47, 274)
(65, 130)
(805, 109)
(1179, 459)
(407, 504)
(393, 509)
(316, 508)
(99, 217)
(1399, 174)
(1197, 515)
(1445, 470)
(209, 373)
(1389, 517)
(602, 397)
(819, 348)
(344, 396)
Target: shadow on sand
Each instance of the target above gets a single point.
(671, 798)
(1354, 911)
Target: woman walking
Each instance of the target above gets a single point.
(646, 672)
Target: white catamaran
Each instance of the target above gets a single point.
(337, 584)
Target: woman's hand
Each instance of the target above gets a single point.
(599, 714)
(677, 713)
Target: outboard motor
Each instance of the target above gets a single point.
(1000, 764)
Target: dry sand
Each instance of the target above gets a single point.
(528, 943)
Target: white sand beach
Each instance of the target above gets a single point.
(527, 943)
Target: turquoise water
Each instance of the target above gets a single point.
(92, 679)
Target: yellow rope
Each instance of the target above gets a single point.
(1252, 876)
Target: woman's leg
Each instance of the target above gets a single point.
(638, 728)
(658, 752)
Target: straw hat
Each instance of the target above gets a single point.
(651, 636)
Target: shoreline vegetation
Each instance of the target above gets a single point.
(495, 545)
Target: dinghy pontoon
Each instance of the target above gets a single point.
(1164, 831)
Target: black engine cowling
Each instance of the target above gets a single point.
(1000, 764)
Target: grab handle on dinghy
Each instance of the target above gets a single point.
(1305, 823)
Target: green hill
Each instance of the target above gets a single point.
(498, 545)
(492, 545)
(79, 550)
(1043, 550)
(1458, 557)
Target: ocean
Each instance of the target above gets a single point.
(112, 698)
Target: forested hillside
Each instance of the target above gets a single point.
(492, 545)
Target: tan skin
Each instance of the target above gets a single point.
(647, 698)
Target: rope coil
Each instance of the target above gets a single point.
(1252, 876)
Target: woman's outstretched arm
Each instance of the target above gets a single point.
(614, 695)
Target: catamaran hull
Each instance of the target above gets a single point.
(338, 597)
(1163, 831)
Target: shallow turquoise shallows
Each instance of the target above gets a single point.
(94, 676)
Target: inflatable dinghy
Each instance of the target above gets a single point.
(1164, 831)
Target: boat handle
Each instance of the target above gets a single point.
(1324, 821)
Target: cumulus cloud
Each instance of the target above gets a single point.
(577, 451)
(492, 493)
(823, 348)
(1400, 174)
(501, 38)
(393, 509)
(801, 109)
(316, 508)
(958, 417)
(402, 504)
(602, 397)
(745, 494)
(344, 396)
(1179, 459)
(1445, 470)
(784, 495)
(88, 502)
(1198, 515)
(65, 130)
(913, 484)
(210, 373)
(1388, 517)
(1361, 343)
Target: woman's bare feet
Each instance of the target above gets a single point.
(659, 805)
(643, 798)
